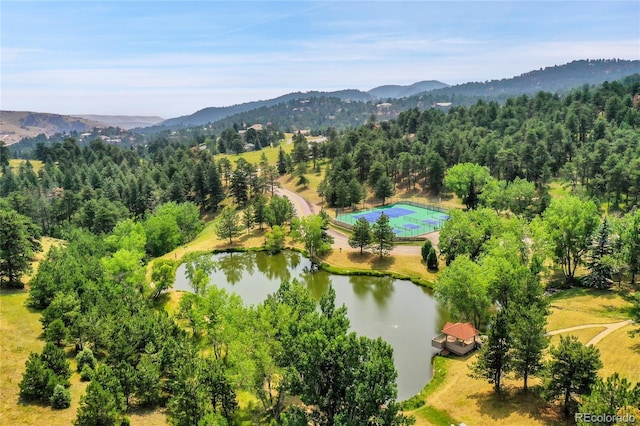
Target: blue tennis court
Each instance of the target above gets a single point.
(408, 220)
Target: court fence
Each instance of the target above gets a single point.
(344, 218)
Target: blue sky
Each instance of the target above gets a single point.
(171, 58)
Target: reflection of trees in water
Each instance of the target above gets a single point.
(233, 265)
(316, 281)
(380, 288)
(294, 259)
(274, 267)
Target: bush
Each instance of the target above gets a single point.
(61, 397)
(426, 249)
(85, 358)
(87, 373)
(432, 260)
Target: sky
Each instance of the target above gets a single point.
(172, 58)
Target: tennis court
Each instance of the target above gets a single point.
(407, 220)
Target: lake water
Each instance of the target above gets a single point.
(403, 314)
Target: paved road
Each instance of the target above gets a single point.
(341, 240)
(609, 328)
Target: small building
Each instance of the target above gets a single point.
(459, 338)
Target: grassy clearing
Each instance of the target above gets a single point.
(15, 164)
(20, 332)
(620, 353)
(557, 190)
(585, 306)
(472, 401)
(254, 156)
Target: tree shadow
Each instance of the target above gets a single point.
(383, 263)
(514, 400)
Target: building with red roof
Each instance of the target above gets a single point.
(458, 338)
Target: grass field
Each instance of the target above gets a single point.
(583, 306)
(20, 334)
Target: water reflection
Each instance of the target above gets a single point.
(401, 313)
(380, 288)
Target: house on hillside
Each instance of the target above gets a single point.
(458, 338)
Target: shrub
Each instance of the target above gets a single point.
(426, 249)
(432, 260)
(61, 397)
(87, 373)
(85, 358)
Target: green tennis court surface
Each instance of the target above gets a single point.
(407, 220)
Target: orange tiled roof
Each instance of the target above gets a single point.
(459, 330)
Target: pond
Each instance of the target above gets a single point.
(403, 314)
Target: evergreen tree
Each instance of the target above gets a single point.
(612, 397)
(214, 187)
(61, 397)
(429, 255)
(384, 188)
(259, 210)
(600, 261)
(282, 162)
(98, 406)
(382, 235)
(18, 243)
(248, 218)
(228, 226)
(571, 371)
(494, 359)
(239, 186)
(35, 380)
(528, 340)
(360, 235)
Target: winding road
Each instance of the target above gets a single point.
(341, 240)
(609, 328)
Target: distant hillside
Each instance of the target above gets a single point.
(213, 114)
(395, 91)
(15, 125)
(123, 121)
(555, 79)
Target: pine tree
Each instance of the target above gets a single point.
(494, 359)
(361, 235)
(600, 262)
(228, 226)
(248, 218)
(282, 162)
(382, 235)
(214, 187)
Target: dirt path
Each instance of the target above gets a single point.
(304, 208)
(609, 328)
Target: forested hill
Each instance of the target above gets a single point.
(555, 79)
(350, 108)
(214, 114)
